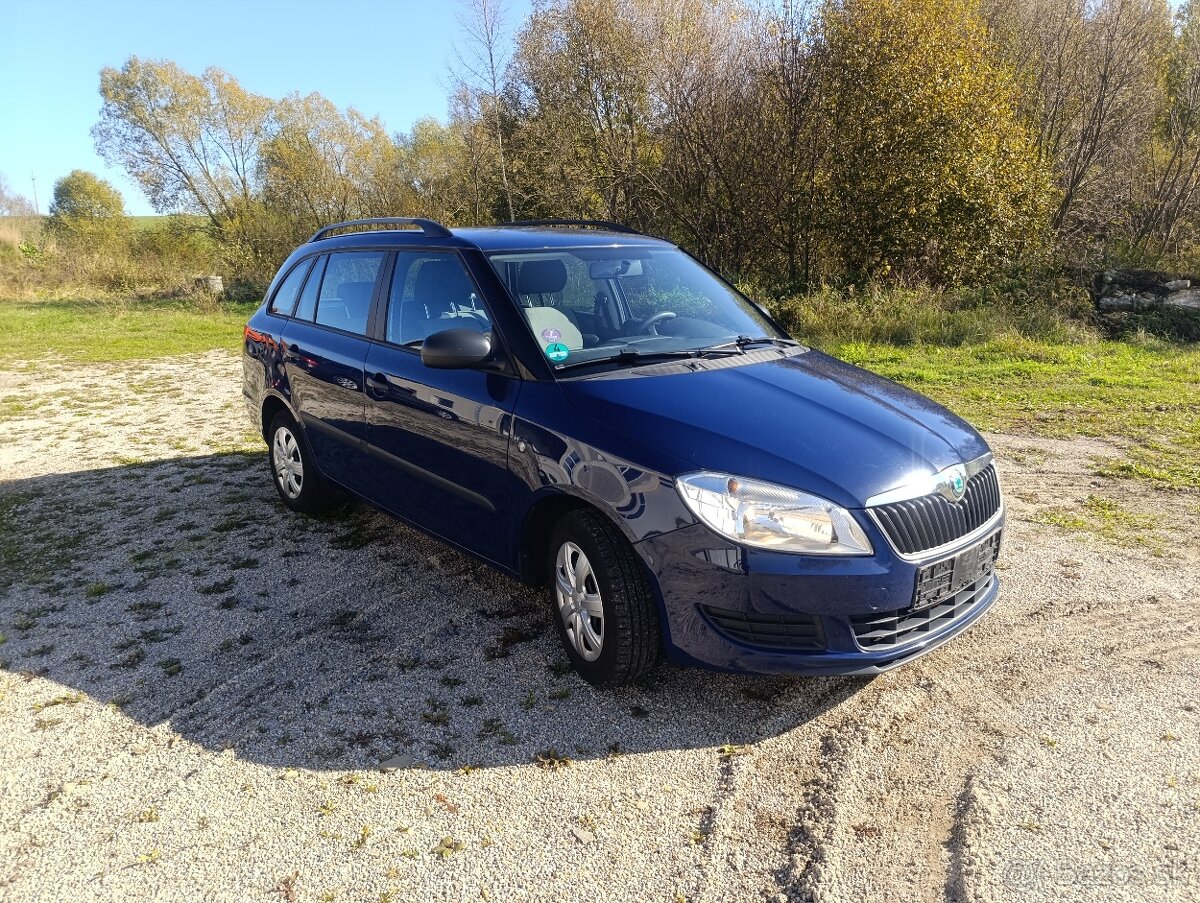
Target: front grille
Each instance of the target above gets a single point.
(917, 525)
(783, 632)
(890, 628)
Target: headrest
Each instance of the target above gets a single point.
(442, 281)
(541, 277)
(356, 293)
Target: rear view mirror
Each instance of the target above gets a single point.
(611, 269)
(455, 349)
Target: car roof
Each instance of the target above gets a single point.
(490, 238)
(501, 238)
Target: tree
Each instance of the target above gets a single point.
(479, 80)
(734, 92)
(324, 165)
(1171, 202)
(791, 75)
(13, 204)
(86, 208)
(586, 141)
(191, 142)
(1091, 75)
(931, 171)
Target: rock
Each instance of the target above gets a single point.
(397, 763)
(212, 284)
(1145, 290)
(1116, 302)
(582, 835)
(1188, 299)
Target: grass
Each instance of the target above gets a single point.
(1003, 366)
(1106, 519)
(1147, 393)
(100, 332)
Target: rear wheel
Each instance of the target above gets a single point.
(296, 479)
(604, 610)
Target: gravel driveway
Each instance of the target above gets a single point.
(198, 688)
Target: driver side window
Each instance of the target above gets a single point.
(432, 291)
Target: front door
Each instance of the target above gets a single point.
(443, 433)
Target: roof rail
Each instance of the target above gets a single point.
(428, 226)
(595, 223)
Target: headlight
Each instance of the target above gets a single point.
(767, 516)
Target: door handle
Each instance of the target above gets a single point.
(378, 382)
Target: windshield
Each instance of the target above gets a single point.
(588, 305)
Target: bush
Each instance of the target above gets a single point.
(1052, 310)
(160, 260)
(87, 213)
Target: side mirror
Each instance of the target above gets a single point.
(455, 349)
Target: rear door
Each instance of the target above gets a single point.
(443, 434)
(325, 348)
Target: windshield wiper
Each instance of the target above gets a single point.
(631, 355)
(742, 342)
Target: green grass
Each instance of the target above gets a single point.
(95, 332)
(1148, 394)
(1062, 383)
(1108, 520)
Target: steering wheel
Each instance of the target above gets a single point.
(646, 326)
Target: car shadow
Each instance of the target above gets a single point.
(182, 591)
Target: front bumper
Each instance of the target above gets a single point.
(848, 615)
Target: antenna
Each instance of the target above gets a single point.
(36, 207)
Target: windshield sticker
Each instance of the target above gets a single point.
(557, 351)
(551, 334)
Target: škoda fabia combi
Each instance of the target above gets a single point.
(591, 409)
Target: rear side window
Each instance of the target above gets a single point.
(344, 301)
(289, 290)
(308, 300)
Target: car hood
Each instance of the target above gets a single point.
(807, 421)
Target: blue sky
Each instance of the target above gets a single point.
(386, 57)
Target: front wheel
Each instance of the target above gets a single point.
(604, 609)
(299, 484)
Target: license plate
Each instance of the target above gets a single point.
(942, 579)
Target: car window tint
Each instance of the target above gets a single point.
(432, 291)
(308, 298)
(344, 301)
(285, 296)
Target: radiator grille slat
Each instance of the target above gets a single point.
(917, 525)
(893, 628)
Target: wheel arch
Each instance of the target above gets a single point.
(271, 406)
(540, 520)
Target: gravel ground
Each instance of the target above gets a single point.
(198, 688)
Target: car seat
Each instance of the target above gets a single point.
(442, 291)
(537, 279)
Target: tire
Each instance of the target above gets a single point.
(589, 557)
(297, 480)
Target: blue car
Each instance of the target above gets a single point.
(591, 410)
